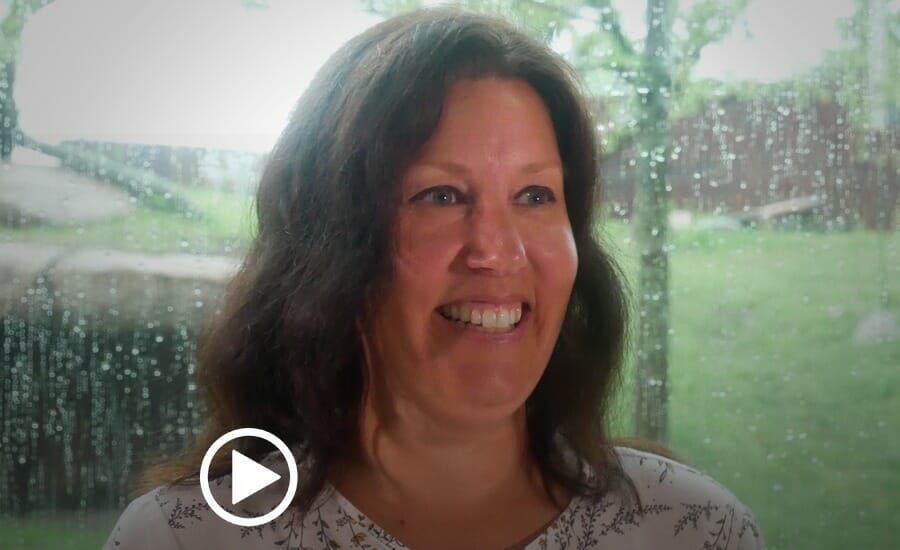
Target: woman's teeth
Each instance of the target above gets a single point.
(486, 319)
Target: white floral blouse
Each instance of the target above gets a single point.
(682, 509)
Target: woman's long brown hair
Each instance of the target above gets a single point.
(284, 353)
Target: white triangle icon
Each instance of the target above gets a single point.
(248, 477)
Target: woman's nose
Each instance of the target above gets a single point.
(495, 244)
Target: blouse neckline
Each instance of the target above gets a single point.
(343, 502)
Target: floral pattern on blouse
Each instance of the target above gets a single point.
(681, 509)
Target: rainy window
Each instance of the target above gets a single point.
(750, 193)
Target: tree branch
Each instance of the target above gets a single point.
(706, 22)
(626, 71)
(609, 21)
(11, 26)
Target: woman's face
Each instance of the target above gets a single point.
(484, 260)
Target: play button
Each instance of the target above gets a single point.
(248, 477)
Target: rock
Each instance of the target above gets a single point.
(718, 223)
(20, 265)
(40, 194)
(27, 157)
(836, 311)
(877, 327)
(680, 219)
(127, 289)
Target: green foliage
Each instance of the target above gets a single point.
(704, 23)
(387, 8)
(845, 73)
(545, 20)
(612, 66)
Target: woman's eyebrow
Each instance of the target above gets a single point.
(461, 170)
(445, 166)
(535, 167)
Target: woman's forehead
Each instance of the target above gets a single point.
(492, 120)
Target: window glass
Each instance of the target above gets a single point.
(750, 194)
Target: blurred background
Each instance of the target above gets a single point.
(751, 190)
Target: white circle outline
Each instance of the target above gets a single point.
(292, 477)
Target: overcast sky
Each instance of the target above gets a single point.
(211, 73)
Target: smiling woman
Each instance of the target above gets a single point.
(427, 320)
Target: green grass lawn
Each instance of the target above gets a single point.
(225, 228)
(65, 531)
(769, 393)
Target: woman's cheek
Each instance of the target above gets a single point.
(426, 245)
(551, 249)
(421, 227)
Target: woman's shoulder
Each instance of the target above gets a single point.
(693, 504)
(658, 477)
(178, 516)
(142, 525)
(680, 507)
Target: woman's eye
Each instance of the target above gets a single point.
(441, 196)
(536, 196)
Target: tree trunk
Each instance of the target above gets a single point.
(652, 230)
(8, 113)
(10, 41)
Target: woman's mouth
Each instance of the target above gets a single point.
(485, 317)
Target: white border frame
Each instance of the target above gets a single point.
(292, 477)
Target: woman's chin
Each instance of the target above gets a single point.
(492, 387)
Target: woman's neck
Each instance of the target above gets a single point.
(408, 456)
(433, 483)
